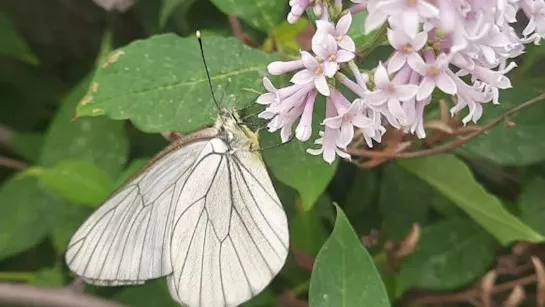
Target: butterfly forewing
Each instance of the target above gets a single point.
(127, 240)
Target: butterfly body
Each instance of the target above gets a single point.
(203, 213)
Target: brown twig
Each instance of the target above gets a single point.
(445, 147)
(238, 32)
(12, 164)
(26, 295)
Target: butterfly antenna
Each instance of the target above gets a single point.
(277, 145)
(198, 34)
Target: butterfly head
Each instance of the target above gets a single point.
(236, 132)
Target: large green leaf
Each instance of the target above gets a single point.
(26, 217)
(450, 254)
(12, 44)
(532, 205)
(520, 145)
(98, 140)
(77, 181)
(260, 14)
(453, 178)
(344, 273)
(406, 199)
(160, 83)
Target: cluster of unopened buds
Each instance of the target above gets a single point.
(462, 48)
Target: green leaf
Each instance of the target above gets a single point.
(169, 6)
(153, 293)
(160, 83)
(406, 199)
(67, 220)
(98, 140)
(344, 273)
(520, 145)
(28, 145)
(284, 37)
(26, 215)
(532, 205)
(13, 45)
(260, 14)
(450, 254)
(291, 164)
(48, 277)
(77, 181)
(453, 178)
(135, 166)
(307, 231)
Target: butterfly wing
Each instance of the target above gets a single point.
(230, 233)
(127, 239)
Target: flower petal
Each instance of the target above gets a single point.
(321, 85)
(344, 56)
(382, 80)
(397, 61)
(417, 64)
(406, 92)
(330, 68)
(344, 23)
(309, 61)
(303, 77)
(426, 88)
(347, 43)
(446, 84)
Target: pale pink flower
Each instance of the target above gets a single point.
(405, 47)
(409, 13)
(435, 73)
(328, 139)
(349, 115)
(331, 55)
(314, 72)
(339, 32)
(390, 93)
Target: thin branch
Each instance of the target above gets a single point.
(448, 146)
(471, 294)
(12, 164)
(238, 32)
(26, 295)
(5, 134)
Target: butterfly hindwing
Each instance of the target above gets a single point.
(232, 239)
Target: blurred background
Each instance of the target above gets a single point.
(428, 250)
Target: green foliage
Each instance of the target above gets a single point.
(519, 145)
(12, 44)
(27, 215)
(260, 14)
(450, 255)
(76, 181)
(167, 78)
(65, 95)
(453, 179)
(532, 205)
(344, 273)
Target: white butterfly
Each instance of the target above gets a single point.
(204, 213)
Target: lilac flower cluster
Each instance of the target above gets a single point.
(463, 48)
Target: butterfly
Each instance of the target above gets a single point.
(203, 213)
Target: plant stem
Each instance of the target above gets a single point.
(16, 276)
